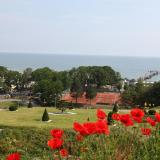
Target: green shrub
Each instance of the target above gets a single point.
(45, 116)
(151, 112)
(110, 120)
(13, 107)
(30, 104)
(115, 108)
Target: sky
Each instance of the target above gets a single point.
(92, 27)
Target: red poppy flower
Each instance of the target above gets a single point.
(79, 128)
(157, 116)
(55, 143)
(90, 127)
(151, 121)
(137, 114)
(57, 133)
(102, 127)
(79, 137)
(13, 156)
(101, 114)
(126, 120)
(146, 131)
(116, 116)
(63, 153)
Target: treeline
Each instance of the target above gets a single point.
(50, 84)
(142, 95)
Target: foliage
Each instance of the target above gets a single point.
(76, 88)
(62, 105)
(151, 96)
(26, 77)
(95, 75)
(90, 92)
(134, 94)
(14, 78)
(45, 116)
(30, 104)
(13, 107)
(109, 118)
(115, 108)
(151, 112)
(43, 74)
(66, 79)
(50, 91)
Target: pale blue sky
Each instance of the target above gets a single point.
(108, 27)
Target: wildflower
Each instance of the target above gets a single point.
(116, 116)
(137, 114)
(57, 133)
(101, 114)
(55, 143)
(102, 127)
(13, 156)
(63, 153)
(79, 128)
(151, 121)
(79, 137)
(90, 127)
(126, 120)
(146, 131)
(157, 116)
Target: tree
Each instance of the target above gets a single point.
(50, 91)
(115, 108)
(90, 92)
(129, 95)
(26, 77)
(3, 87)
(62, 105)
(30, 104)
(14, 78)
(43, 73)
(3, 71)
(151, 95)
(65, 79)
(97, 75)
(109, 118)
(45, 116)
(76, 88)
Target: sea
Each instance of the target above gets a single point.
(129, 67)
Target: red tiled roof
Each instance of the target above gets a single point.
(101, 98)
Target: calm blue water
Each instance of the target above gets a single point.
(130, 67)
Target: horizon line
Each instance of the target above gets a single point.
(78, 54)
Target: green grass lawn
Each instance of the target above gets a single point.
(31, 117)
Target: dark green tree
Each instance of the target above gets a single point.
(115, 108)
(76, 88)
(14, 78)
(30, 104)
(26, 77)
(50, 91)
(3, 71)
(90, 92)
(44, 74)
(62, 105)
(152, 95)
(109, 118)
(65, 78)
(45, 116)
